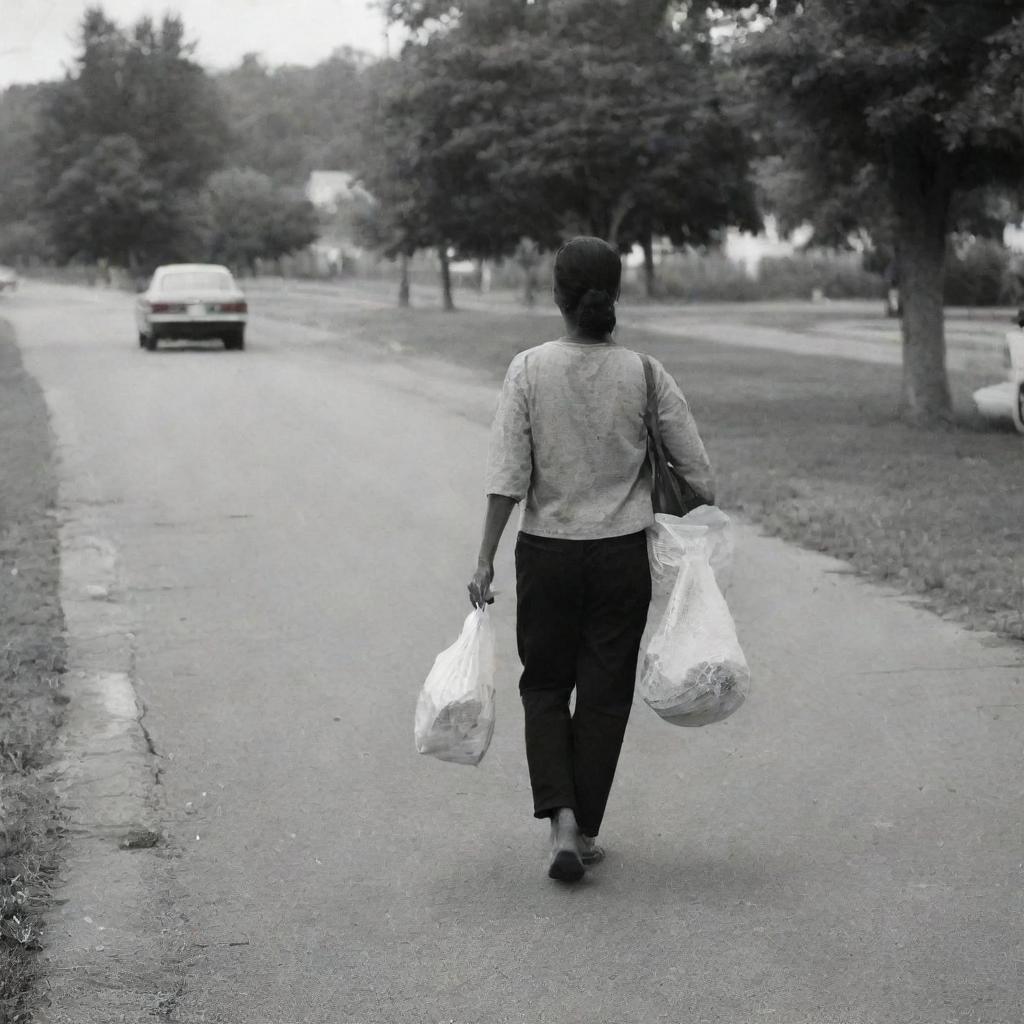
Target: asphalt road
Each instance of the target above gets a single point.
(293, 527)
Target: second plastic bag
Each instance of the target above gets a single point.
(692, 671)
(670, 538)
(455, 710)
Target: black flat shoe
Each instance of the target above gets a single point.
(566, 866)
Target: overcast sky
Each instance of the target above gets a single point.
(37, 36)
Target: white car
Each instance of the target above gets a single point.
(194, 301)
(1006, 400)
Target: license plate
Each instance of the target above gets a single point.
(196, 309)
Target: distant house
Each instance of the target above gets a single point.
(748, 250)
(337, 195)
(1013, 237)
(329, 191)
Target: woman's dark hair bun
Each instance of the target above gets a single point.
(596, 312)
(587, 275)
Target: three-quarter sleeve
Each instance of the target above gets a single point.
(679, 434)
(510, 457)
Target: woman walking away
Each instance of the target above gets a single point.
(569, 440)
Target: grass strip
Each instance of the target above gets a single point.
(31, 663)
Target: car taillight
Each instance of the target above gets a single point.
(166, 307)
(233, 307)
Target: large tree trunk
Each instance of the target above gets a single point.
(403, 281)
(530, 287)
(648, 247)
(616, 216)
(446, 279)
(922, 195)
(527, 256)
(606, 221)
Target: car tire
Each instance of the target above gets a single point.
(149, 342)
(142, 340)
(235, 341)
(1018, 410)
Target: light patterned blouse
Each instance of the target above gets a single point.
(569, 438)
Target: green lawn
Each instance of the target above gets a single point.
(807, 447)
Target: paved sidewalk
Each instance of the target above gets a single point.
(973, 348)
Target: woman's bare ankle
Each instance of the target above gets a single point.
(564, 829)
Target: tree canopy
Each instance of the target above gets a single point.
(21, 232)
(106, 206)
(505, 119)
(289, 121)
(243, 216)
(919, 97)
(139, 108)
(127, 151)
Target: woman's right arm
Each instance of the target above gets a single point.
(509, 471)
(499, 508)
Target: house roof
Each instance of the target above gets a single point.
(327, 188)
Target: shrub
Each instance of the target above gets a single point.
(713, 278)
(978, 274)
(837, 275)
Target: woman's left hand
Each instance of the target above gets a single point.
(480, 586)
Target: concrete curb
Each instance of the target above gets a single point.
(104, 925)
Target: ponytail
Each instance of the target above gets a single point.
(595, 313)
(587, 274)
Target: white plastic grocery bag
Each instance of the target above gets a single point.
(455, 711)
(668, 540)
(692, 670)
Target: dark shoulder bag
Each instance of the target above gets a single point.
(670, 493)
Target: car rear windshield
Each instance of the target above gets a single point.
(196, 281)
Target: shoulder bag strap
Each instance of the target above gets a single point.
(666, 494)
(651, 411)
(672, 492)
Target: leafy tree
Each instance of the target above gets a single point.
(289, 121)
(425, 161)
(23, 241)
(397, 224)
(917, 97)
(292, 223)
(19, 114)
(136, 106)
(245, 216)
(174, 108)
(100, 201)
(492, 19)
(22, 236)
(579, 115)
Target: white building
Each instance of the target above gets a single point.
(337, 195)
(744, 248)
(329, 191)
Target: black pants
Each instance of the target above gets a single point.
(582, 608)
